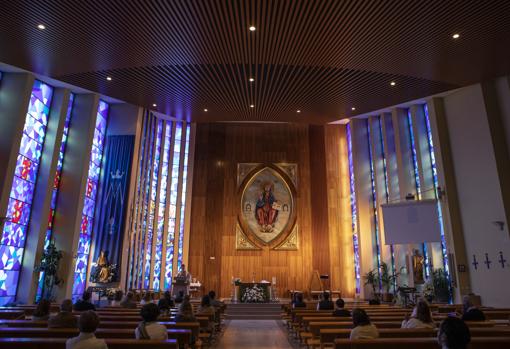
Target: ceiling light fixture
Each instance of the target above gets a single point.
(393, 83)
(252, 106)
(251, 79)
(298, 111)
(456, 36)
(353, 108)
(41, 26)
(252, 28)
(154, 105)
(109, 78)
(206, 110)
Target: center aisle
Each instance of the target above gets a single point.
(248, 334)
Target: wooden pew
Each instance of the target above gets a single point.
(328, 335)
(12, 314)
(181, 335)
(418, 343)
(60, 343)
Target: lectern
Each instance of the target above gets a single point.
(181, 283)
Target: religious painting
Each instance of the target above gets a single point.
(267, 205)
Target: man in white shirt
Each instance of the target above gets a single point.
(88, 323)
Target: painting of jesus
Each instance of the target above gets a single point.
(266, 213)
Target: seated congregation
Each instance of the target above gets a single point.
(132, 320)
(323, 323)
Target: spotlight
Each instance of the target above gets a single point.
(252, 28)
(206, 110)
(252, 106)
(41, 26)
(298, 111)
(109, 78)
(456, 36)
(393, 83)
(251, 79)
(353, 108)
(154, 105)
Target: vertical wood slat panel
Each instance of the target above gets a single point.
(219, 147)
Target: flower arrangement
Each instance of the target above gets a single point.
(109, 293)
(254, 294)
(428, 291)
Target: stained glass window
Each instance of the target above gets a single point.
(87, 221)
(56, 185)
(162, 205)
(173, 206)
(374, 204)
(417, 182)
(22, 190)
(152, 204)
(436, 189)
(354, 213)
(386, 192)
(183, 200)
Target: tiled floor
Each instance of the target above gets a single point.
(254, 334)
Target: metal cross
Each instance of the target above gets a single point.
(487, 261)
(475, 262)
(502, 260)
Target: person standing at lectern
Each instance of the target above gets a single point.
(184, 274)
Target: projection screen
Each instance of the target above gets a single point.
(411, 222)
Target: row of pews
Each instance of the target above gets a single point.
(320, 329)
(117, 327)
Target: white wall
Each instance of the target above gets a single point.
(479, 192)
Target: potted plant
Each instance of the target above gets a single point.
(49, 264)
(372, 279)
(387, 280)
(441, 286)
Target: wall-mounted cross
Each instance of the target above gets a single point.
(502, 260)
(475, 262)
(487, 261)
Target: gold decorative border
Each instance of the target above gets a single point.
(292, 241)
(242, 241)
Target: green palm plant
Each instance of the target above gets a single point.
(48, 265)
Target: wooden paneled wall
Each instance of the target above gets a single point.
(323, 230)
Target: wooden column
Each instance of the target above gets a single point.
(319, 201)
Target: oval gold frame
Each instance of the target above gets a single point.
(292, 219)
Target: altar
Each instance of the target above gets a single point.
(253, 292)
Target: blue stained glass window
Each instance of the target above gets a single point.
(83, 248)
(174, 182)
(183, 199)
(417, 182)
(374, 205)
(22, 189)
(436, 192)
(387, 195)
(49, 230)
(354, 213)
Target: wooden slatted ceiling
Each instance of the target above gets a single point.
(322, 57)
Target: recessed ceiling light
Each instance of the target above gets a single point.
(109, 78)
(393, 83)
(251, 79)
(252, 106)
(456, 36)
(154, 105)
(206, 110)
(252, 28)
(353, 108)
(41, 26)
(298, 111)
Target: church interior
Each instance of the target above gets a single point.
(255, 174)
